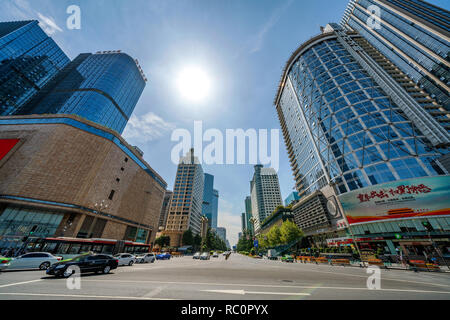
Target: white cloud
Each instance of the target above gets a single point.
(48, 24)
(229, 220)
(21, 9)
(276, 15)
(146, 128)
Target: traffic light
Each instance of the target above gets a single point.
(427, 225)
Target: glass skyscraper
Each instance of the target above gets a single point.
(103, 87)
(29, 59)
(209, 207)
(414, 36)
(347, 124)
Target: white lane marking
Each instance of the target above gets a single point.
(19, 283)
(242, 292)
(79, 296)
(267, 286)
(361, 276)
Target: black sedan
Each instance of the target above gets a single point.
(87, 263)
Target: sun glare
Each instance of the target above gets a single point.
(193, 84)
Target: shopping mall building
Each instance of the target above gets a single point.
(65, 176)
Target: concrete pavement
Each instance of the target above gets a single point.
(239, 277)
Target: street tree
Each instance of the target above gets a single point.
(290, 232)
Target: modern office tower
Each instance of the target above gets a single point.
(210, 201)
(347, 125)
(411, 42)
(186, 206)
(222, 233)
(291, 198)
(243, 222)
(29, 59)
(265, 194)
(165, 209)
(239, 235)
(215, 208)
(103, 87)
(248, 214)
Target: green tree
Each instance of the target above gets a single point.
(163, 241)
(197, 241)
(274, 236)
(188, 238)
(290, 232)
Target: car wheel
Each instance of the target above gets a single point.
(44, 265)
(106, 269)
(131, 263)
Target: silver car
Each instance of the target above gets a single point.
(33, 260)
(125, 259)
(145, 258)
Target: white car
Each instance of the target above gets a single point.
(33, 260)
(125, 259)
(145, 257)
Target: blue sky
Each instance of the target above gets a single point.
(242, 45)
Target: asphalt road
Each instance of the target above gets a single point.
(239, 277)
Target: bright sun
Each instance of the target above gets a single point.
(194, 84)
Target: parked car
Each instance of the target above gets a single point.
(86, 262)
(225, 253)
(215, 255)
(164, 256)
(33, 260)
(287, 258)
(125, 259)
(145, 258)
(4, 262)
(205, 256)
(196, 255)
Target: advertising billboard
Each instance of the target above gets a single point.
(6, 145)
(418, 197)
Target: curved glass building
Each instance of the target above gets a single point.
(103, 87)
(342, 128)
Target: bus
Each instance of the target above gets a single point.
(71, 247)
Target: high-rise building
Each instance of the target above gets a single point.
(265, 194)
(186, 206)
(243, 222)
(239, 235)
(29, 59)
(103, 87)
(165, 209)
(349, 126)
(215, 208)
(248, 214)
(221, 233)
(413, 36)
(210, 201)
